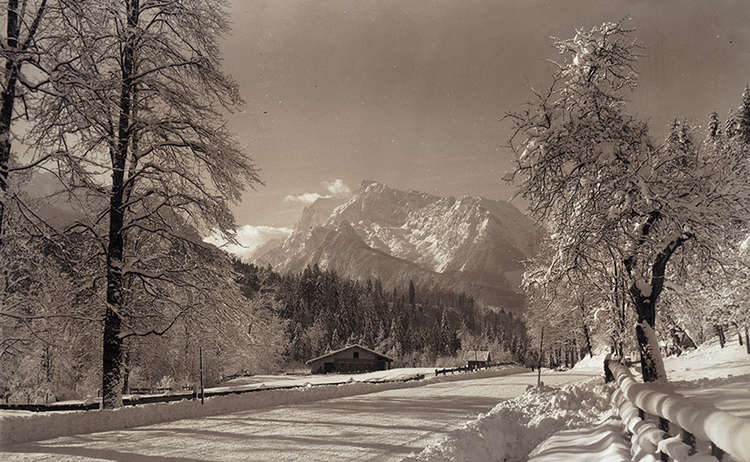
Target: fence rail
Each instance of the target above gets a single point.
(467, 368)
(672, 425)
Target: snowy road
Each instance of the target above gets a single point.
(382, 426)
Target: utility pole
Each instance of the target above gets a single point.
(539, 363)
(200, 353)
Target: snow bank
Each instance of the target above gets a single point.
(710, 361)
(19, 428)
(514, 427)
(33, 427)
(592, 363)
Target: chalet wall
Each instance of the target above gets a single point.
(345, 361)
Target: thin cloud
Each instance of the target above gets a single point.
(337, 187)
(249, 238)
(306, 198)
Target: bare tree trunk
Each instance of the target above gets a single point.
(720, 334)
(747, 340)
(647, 345)
(8, 99)
(126, 369)
(652, 365)
(47, 364)
(587, 338)
(112, 348)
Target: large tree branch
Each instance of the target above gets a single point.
(658, 269)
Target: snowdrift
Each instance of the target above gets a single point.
(34, 427)
(578, 423)
(514, 427)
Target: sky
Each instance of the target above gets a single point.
(412, 92)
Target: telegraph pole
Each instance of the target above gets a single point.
(539, 363)
(200, 353)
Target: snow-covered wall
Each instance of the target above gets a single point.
(33, 427)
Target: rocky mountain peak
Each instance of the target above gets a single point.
(470, 243)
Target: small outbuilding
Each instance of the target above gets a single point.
(353, 358)
(477, 359)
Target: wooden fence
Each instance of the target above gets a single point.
(672, 425)
(453, 370)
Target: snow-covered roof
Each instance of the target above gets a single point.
(349, 347)
(476, 355)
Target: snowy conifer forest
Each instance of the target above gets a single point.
(555, 270)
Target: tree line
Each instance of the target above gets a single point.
(324, 311)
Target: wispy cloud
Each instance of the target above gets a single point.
(305, 198)
(335, 188)
(249, 238)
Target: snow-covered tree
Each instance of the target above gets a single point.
(41, 312)
(135, 108)
(593, 176)
(20, 46)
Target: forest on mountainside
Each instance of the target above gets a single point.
(415, 326)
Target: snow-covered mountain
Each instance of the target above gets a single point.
(472, 243)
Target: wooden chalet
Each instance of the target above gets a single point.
(353, 358)
(476, 359)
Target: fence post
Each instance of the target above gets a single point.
(717, 451)
(200, 359)
(687, 438)
(664, 426)
(539, 364)
(608, 376)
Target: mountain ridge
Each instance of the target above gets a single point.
(471, 244)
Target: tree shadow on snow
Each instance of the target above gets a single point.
(106, 454)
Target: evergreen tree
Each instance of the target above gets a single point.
(714, 126)
(742, 118)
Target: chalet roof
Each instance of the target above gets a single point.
(349, 347)
(476, 355)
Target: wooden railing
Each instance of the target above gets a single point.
(453, 370)
(672, 426)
